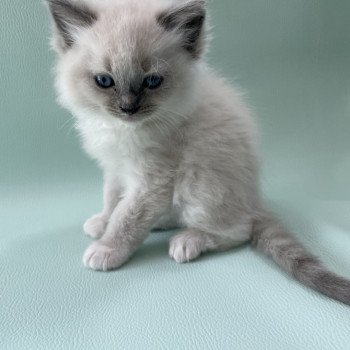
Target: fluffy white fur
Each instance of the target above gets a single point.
(191, 162)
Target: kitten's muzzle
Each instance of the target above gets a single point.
(130, 110)
(129, 103)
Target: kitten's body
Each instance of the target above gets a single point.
(220, 153)
(190, 160)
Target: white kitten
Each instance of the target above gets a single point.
(175, 142)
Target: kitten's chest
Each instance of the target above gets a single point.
(123, 152)
(110, 146)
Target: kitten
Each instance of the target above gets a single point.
(176, 143)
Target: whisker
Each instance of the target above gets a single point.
(169, 124)
(173, 113)
(70, 127)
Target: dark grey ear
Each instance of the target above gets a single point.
(69, 16)
(188, 19)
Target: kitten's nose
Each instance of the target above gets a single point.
(129, 103)
(129, 111)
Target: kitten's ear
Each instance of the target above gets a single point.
(187, 19)
(69, 17)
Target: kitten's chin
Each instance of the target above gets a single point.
(133, 118)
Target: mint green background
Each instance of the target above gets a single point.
(292, 58)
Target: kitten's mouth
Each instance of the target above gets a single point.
(140, 114)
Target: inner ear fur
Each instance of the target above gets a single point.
(69, 17)
(187, 19)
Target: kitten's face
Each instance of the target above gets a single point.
(126, 60)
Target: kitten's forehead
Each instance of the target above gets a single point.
(127, 35)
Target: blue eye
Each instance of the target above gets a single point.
(152, 81)
(104, 81)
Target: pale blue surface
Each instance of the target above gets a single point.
(293, 58)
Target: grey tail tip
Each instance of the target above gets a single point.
(272, 239)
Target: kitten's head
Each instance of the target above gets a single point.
(126, 59)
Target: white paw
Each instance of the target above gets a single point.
(186, 246)
(101, 257)
(95, 226)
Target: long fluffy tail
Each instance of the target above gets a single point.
(270, 237)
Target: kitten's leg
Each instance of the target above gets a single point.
(190, 243)
(128, 226)
(96, 225)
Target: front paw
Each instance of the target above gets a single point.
(95, 226)
(186, 246)
(102, 257)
